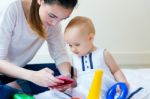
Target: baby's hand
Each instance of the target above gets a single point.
(118, 91)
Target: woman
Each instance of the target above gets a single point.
(24, 26)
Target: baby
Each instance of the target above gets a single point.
(86, 58)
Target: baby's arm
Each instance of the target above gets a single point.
(114, 68)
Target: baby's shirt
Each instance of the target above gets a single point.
(86, 66)
(91, 61)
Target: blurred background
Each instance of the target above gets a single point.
(122, 26)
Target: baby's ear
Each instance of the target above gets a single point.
(91, 36)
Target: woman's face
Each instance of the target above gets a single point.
(50, 15)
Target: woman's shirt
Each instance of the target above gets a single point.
(19, 44)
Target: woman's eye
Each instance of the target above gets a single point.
(51, 16)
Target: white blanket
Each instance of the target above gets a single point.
(136, 77)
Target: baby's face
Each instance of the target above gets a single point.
(78, 41)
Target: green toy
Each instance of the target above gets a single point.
(23, 96)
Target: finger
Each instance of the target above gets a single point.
(60, 88)
(63, 87)
(118, 89)
(51, 84)
(53, 81)
(49, 70)
(74, 84)
(56, 80)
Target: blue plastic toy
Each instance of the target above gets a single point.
(112, 91)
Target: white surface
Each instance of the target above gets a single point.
(136, 77)
(122, 26)
(51, 95)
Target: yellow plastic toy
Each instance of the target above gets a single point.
(94, 91)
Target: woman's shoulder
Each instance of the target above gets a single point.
(10, 7)
(4, 4)
(54, 30)
(9, 11)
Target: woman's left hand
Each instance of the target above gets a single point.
(66, 86)
(63, 87)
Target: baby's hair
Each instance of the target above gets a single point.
(81, 22)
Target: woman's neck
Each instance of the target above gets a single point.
(26, 7)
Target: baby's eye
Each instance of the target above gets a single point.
(70, 45)
(77, 44)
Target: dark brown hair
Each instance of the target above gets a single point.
(34, 18)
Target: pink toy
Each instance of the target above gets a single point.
(66, 80)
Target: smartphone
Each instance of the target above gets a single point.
(66, 80)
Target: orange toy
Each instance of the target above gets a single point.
(75, 98)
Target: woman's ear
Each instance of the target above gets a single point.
(40, 2)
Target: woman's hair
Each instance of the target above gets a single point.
(34, 18)
(83, 23)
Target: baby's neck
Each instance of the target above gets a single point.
(93, 48)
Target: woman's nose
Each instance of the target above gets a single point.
(54, 22)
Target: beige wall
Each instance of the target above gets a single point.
(122, 26)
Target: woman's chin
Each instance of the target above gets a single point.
(47, 25)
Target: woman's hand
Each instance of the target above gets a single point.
(63, 87)
(44, 78)
(68, 83)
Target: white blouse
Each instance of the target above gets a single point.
(19, 44)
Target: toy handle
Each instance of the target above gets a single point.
(22, 96)
(112, 91)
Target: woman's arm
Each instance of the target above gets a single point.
(58, 50)
(12, 70)
(42, 77)
(65, 69)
